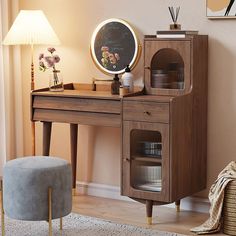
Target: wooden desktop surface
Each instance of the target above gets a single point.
(77, 104)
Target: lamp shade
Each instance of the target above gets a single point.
(31, 27)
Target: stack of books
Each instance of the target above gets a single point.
(175, 33)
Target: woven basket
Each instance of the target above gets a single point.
(229, 210)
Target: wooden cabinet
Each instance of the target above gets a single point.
(164, 130)
(146, 160)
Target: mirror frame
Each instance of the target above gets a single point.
(137, 51)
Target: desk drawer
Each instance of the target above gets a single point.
(146, 111)
(77, 104)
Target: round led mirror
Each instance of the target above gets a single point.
(114, 45)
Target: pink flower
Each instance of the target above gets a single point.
(49, 61)
(46, 62)
(41, 56)
(56, 58)
(51, 50)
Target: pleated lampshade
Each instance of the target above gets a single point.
(31, 27)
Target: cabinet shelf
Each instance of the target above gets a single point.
(155, 187)
(155, 159)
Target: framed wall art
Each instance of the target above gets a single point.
(218, 9)
(114, 45)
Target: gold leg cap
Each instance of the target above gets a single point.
(177, 207)
(149, 220)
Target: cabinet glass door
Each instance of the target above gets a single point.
(146, 160)
(167, 67)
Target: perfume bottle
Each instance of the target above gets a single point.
(115, 85)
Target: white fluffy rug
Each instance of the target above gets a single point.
(78, 225)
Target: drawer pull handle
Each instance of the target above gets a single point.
(147, 68)
(147, 113)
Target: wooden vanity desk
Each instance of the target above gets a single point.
(77, 104)
(164, 127)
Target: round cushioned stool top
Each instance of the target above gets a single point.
(25, 187)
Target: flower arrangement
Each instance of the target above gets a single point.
(47, 62)
(108, 58)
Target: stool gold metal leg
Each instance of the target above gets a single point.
(60, 223)
(177, 206)
(2, 212)
(50, 210)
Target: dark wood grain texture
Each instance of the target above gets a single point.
(154, 46)
(184, 115)
(73, 149)
(146, 111)
(47, 127)
(127, 188)
(176, 118)
(85, 118)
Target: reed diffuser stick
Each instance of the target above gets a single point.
(174, 13)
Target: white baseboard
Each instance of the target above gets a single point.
(100, 190)
(113, 192)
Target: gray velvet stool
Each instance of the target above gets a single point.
(37, 188)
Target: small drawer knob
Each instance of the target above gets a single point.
(147, 113)
(126, 160)
(147, 68)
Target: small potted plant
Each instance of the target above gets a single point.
(47, 62)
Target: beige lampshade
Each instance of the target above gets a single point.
(31, 27)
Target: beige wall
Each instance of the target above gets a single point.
(74, 22)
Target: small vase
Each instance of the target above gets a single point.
(56, 81)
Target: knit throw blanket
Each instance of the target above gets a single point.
(216, 198)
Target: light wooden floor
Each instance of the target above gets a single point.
(165, 219)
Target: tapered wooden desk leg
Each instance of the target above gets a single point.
(73, 142)
(47, 126)
(149, 206)
(177, 206)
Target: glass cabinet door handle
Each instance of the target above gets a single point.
(147, 113)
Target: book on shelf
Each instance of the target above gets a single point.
(171, 36)
(175, 33)
(187, 32)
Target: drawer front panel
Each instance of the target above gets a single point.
(76, 117)
(77, 104)
(146, 111)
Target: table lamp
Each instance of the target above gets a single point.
(31, 27)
